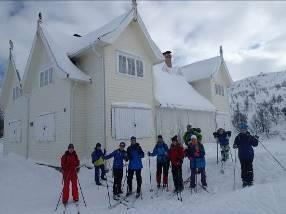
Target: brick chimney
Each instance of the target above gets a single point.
(168, 58)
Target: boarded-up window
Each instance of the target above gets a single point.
(15, 131)
(129, 122)
(45, 128)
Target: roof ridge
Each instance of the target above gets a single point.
(200, 61)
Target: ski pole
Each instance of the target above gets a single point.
(217, 152)
(125, 178)
(274, 158)
(59, 200)
(107, 187)
(151, 189)
(231, 154)
(234, 169)
(81, 192)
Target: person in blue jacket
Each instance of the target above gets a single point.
(98, 161)
(161, 151)
(244, 142)
(222, 138)
(134, 154)
(118, 155)
(196, 154)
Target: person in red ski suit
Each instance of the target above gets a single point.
(70, 164)
(176, 155)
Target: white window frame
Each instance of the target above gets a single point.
(16, 136)
(44, 133)
(46, 77)
(136, 126)
(133, 57)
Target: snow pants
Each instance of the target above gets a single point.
(73, 180)
(97, 170)
(194, 172)
(138, 179)
(162, 166)
(246, 170)
(177, 177)
(118, 175)
(224, 152)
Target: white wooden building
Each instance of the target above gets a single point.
(96, 88)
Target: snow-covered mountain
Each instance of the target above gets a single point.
(261, 101)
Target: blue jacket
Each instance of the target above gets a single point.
(119, 156)
(135, 154)
(197, 160)
(223, 139)
(244, 143)
(161, 151)
(96, 155)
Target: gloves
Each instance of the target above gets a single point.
(104, 151)
(257, 137)
(149, 153)
(234, 146)
(77, 169)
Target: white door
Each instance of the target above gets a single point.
(143, 123)
(124, 123)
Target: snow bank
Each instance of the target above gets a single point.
(173, 91)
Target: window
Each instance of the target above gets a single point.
(17, 92)
(46, 77)
(130, 65)
(45, 128)
(14, 131)
(219, 89)
(127, 122)
(139, 66)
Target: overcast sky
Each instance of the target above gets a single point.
(253, 34)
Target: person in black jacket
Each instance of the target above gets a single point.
(244, 142)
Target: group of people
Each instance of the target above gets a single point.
(166, 156)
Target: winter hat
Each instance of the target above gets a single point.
(194, 137)
(71, 146)
(175, 138)
(133, 138)
(189, 126)
(243, 126)
(160, 137)
(98, 145)
(122, 144)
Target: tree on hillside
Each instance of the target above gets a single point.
(238, 117)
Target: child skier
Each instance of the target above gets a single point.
(222, 138)
(176, 155)
(98, 161)
(119, 156)
(134, 154)
(196, 155)
(244, 143)
(161, 151)
(70, 164)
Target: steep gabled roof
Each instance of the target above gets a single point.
(10, 70)
(58, 56)
(110, 32)
(173, 91)
(202, 69)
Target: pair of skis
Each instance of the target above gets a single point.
(126, 201)
(66, 211)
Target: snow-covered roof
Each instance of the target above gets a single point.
(202, 69)
(61, 58)
(110, 32)
(172, 90)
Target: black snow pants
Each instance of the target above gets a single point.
(138, 179)
(177, 177)
(118, 175)
(246, 170)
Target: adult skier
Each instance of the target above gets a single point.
(134, 154)
(222, 138)
(98, 161)
(196, 154)
(70, 164)
(161, 151)
(119, 155)
(176, 155)
(244, 142)
(190, 132)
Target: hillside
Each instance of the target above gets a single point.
(261, 101)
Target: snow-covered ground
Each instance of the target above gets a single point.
(27, 188)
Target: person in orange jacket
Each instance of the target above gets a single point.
(70, 164)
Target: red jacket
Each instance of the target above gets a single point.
(176, 154)
(69, 163)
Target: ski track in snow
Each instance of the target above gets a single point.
(27, 188)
